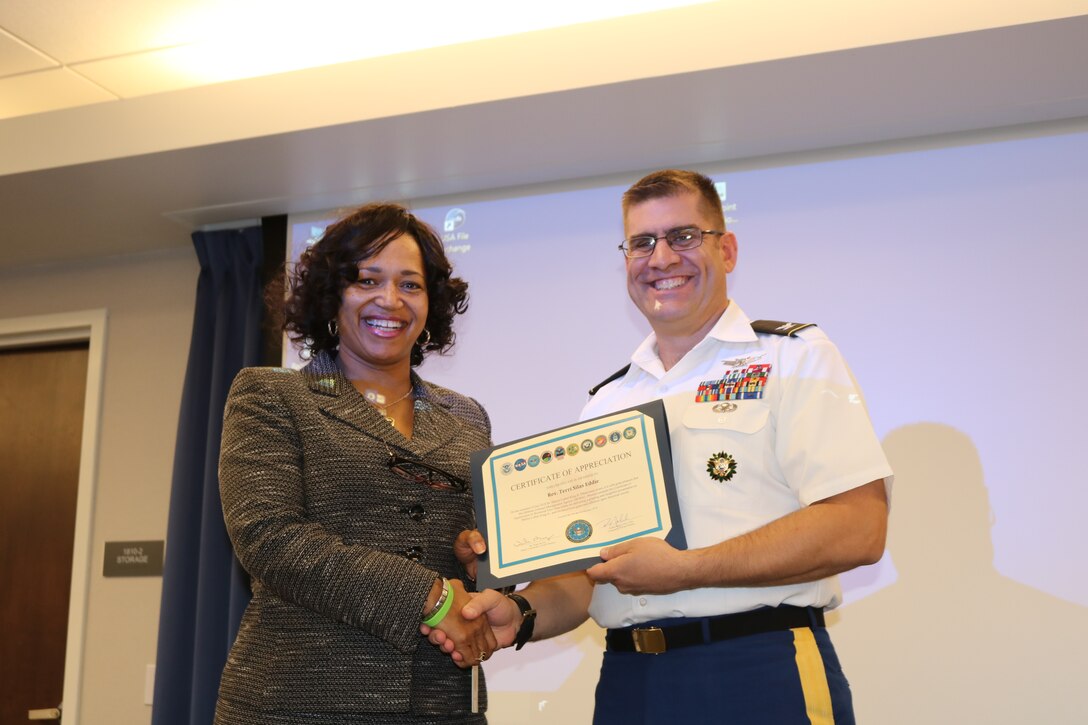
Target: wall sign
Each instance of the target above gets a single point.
(133, 558)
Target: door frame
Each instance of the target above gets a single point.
(82, 326)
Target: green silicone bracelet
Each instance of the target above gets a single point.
(443, 610)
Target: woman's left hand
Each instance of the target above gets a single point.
(467, 547)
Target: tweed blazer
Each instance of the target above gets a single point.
(342, 551)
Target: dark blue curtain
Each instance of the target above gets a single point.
(204, 590)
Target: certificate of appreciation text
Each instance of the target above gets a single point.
(548, 503)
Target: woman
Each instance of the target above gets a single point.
(344, 487)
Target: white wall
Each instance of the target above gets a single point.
(149, 299)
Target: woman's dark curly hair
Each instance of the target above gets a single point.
(317, 283)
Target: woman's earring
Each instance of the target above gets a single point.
(334, 328)
(424, 339)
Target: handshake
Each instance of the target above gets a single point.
(470, 626)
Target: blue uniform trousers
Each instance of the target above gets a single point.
(778, 678)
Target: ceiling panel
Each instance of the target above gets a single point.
(18, 57)
(137, 47)
(48, 90)
(79, 30)
(142, 74)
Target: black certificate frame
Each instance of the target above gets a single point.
(490, 575)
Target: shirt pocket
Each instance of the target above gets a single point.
(749, 417)
(722, 459)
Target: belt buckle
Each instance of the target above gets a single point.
(648, 640)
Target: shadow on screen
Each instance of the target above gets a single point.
(953, 640)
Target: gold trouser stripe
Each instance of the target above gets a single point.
(810, 665)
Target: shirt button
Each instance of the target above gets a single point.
(416, 512)
(642, 601)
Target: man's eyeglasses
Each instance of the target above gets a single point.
(677, 239)
(424, 473)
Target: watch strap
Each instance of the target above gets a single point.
(528, 620)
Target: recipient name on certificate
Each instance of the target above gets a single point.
(547, 504)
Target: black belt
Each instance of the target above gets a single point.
(655, 640)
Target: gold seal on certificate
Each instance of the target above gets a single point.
(548, 503)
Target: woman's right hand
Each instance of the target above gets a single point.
(500, 611)
(473, 640)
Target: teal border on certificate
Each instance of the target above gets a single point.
(494, 559)
(641, 419)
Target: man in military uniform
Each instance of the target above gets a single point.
(781, 480)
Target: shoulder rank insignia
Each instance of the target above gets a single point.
(774, 327)
(721, 466)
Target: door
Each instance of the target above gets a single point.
(42, 392)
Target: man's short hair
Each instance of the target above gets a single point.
(674, 182)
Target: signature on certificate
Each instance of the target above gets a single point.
(619, 521)
(534, 542)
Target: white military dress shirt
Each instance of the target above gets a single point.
(780, 424)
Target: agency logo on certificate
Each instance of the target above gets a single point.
(615, 483)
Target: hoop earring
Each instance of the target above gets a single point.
(334, 328)
(424, 340)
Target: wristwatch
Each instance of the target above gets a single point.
(528, 620)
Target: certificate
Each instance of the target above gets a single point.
(547, 504)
